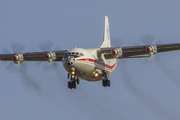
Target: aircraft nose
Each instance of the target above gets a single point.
(70, 61)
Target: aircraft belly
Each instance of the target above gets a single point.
(84, 69)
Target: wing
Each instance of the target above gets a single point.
(137, 51)
(34, 56)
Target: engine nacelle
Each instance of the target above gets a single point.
(151, 50)
(117, 52)
(18, 58)
(50, 57)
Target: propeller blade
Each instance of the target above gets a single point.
(58, 48)
(17, 47)
(30, 82)
(5, 51)
(46, 45)
(147, 39)
(51, 66)
(11, 67)
(116, 41)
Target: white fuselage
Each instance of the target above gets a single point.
(85, 63)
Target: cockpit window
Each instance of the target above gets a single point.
(74, 54)
(81, 54)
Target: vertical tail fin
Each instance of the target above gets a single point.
(107, 41)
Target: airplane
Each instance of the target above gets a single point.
(92, 65)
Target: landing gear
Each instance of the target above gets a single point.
(72, 84)
(77, 80)
(106, 83)
(73, 81)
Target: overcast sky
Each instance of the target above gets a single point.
(141, 89)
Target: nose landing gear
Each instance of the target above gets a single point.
(73, 81)
(72, 84)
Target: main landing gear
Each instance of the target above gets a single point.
(72, 82)
(106, 82)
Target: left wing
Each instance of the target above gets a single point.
(34, 56)
(137, 51)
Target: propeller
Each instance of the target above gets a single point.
(16, 48)
(21, 68)
(149, 39)
(48, 46)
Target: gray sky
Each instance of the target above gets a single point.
(140, 89)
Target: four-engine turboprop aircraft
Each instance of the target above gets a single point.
(91, 64)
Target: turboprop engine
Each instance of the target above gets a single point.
(111, 52)
(50, 57)
(151, 50)
(117, 52)
(18, 58)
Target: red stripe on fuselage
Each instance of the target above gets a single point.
(91, 61)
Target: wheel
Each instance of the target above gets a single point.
(78, 81)
(70, 85)
(74, 84)
(104, 83)
(108, 83)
